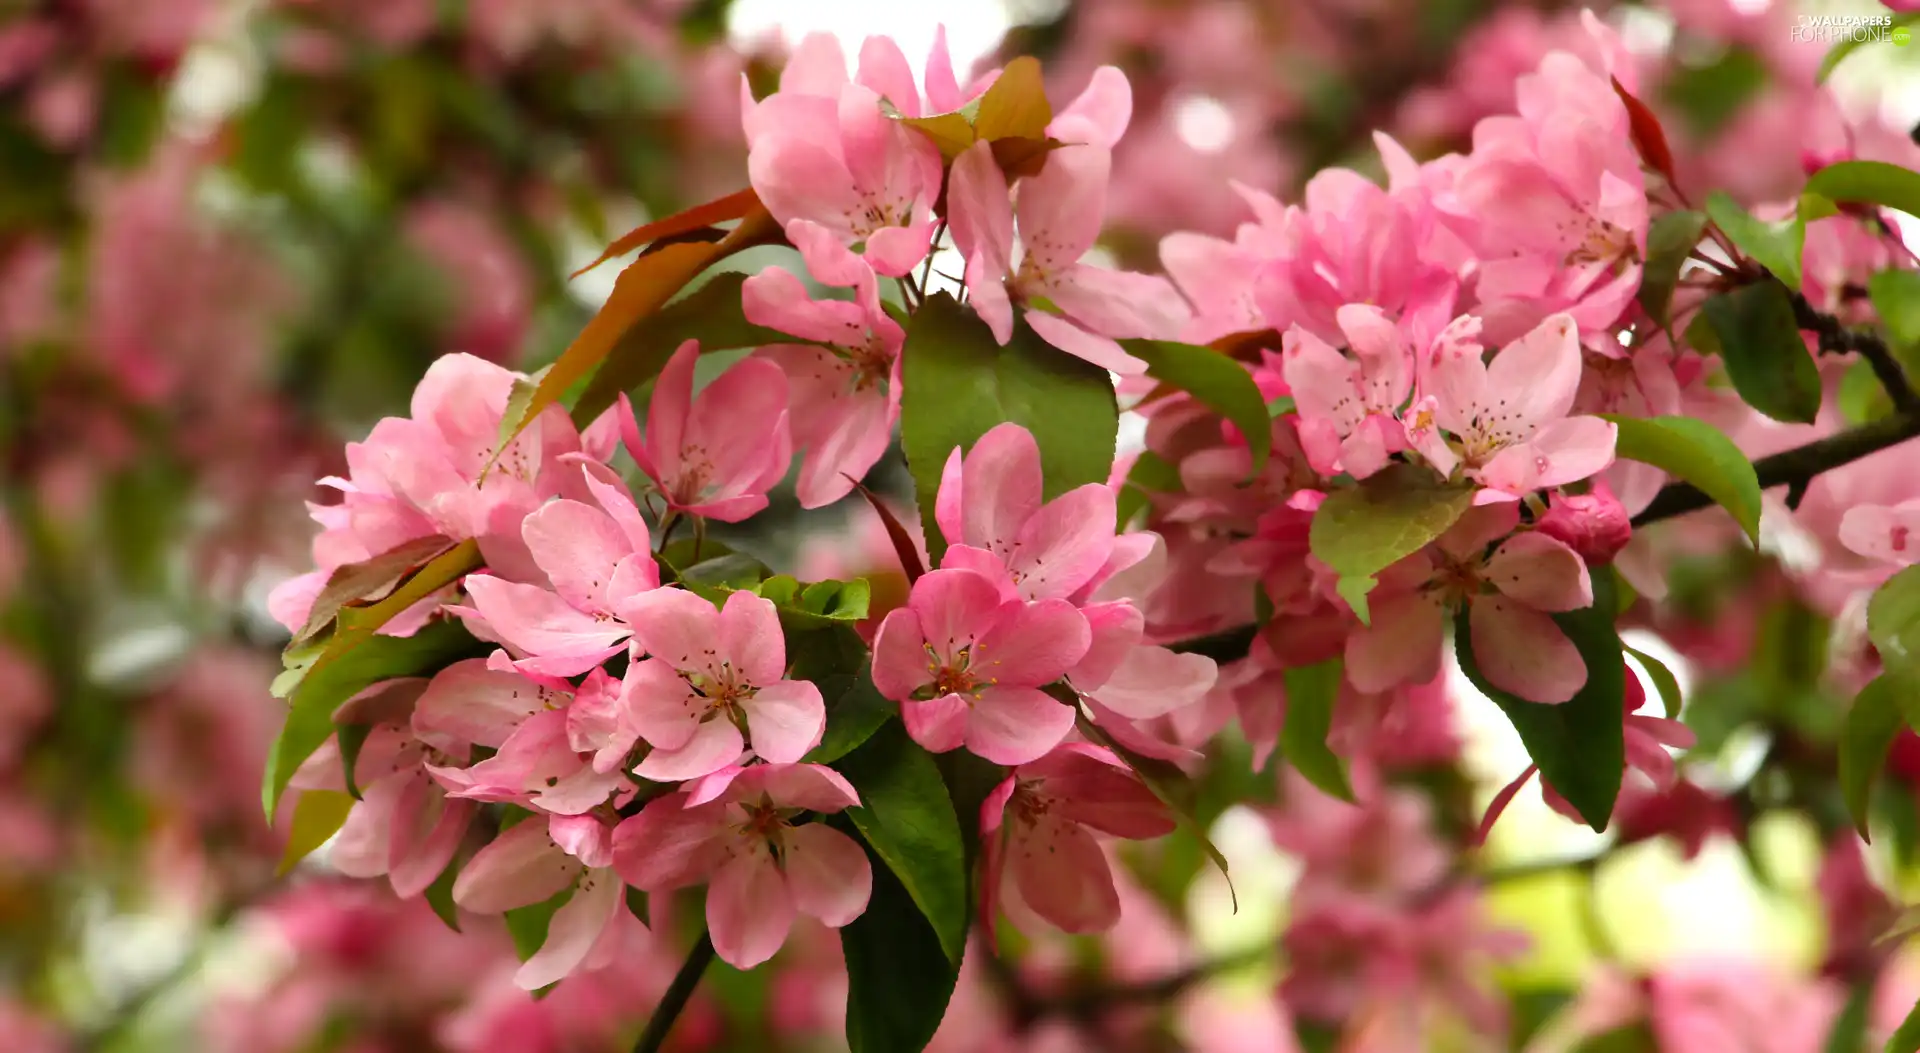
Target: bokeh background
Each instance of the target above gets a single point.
(234, 233)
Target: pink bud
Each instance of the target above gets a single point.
(1593, 524)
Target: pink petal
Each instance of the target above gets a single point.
(896, 251)
(677, 627)
(899, 655)
(734, 424)
(1001, 488)
(1062, 874)
(748, 908)
(804, 182)
(426, 830)
(520, 867)
(540, 623)
(1573, 449)
(667, 416)
(943, 90)
(469, 704)
(1119, 304)
(668, 845)
(1063, 545)
(785, 720)
(618, 504)
(578, 547)
(938, 725)
(1153, 681)
(575, 928)
(715, 744)
(750, 638)
(1881, 532)
(1402, 646)
(1100, 114)
(1539, 374)
(828, 875)
(884, 70)
(1014, 725)
(1062, 209)
(814, 787)
(364, 846)
(291, 601)
(954, 608)
(1540, 572)
(1032, 643)
(1099, 350)
(980, 215)
(1114, 629)
(1521, 650)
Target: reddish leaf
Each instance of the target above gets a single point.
(902, 540)
(734, 206)
(1015, 106)
(369, 580)
(1246, 347)
(1648, 137)
(1498, 805)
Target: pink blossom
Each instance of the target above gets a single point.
(1509, 419)
(837, 172)
(844, 397)
(1508, 594)
(717, 455)
(428, 474)
(1593, 524)
(967, 666)
(1039, 824)
(533, 862)
(1733, 1005)
(735, 830)
(537, 765)
(711, 672)
(1218, 277)
(1079, 308)
(1347, 406)
(490, 289)
(596, 558)
(1884, 532)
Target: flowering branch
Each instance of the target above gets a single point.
(676, 997)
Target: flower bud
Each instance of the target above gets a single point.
(1593, 524)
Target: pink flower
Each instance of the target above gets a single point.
(537, 765)
(711, 672)
(597, 558)
(418, 476)
(405, 825)
(1079, 308)
(1884, 532)
(1039, 824)
(1509, 418)
(735, 830)
(533, 862)
(1347, 406)
(489, 285)
(716, 455)
(1219, 278)
(845, 396)
(837, 172)
(1647, 739)
(1508, 595)
(967, 666)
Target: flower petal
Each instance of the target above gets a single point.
(828, 875)
(748, 908)
(1522, 650)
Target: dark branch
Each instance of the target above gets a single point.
(676, 997)
(1795, 467)
(1838, 339)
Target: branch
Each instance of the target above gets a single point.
(676, 997)
(1836, 338)
(1796, 467)
(1084, 1003)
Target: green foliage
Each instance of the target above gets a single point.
(1839, 52)
(1219, 382)
(1875, 719)
(907, 819)
(958, 384)
(317, 816)
(1698, 453)
(1670, 240)
(1906, 1038)
(1663, 679)
(1896, 299)
(1312, 692)
(1869, 183)
(1775, 246)
(1362, 530)
(1579, 744)
(855, 710)
(1707, 96)
(1754, 332)
(899, 979)
(1893, 623)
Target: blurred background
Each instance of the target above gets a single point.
(234, 233)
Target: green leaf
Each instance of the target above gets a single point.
(317, 815)
(959, 384)
(323, 689)
(855, 710)
(1151, 474)
(1896, 299)
(711, 314)
(899, 977)
(1219, 382)
(1839, 52)
(1389, 516)
(1015, 106)
(906, 817)
(350, 738)
(1698, 453)
(1849, 1031)
(1663, 681)
(1312, 692)
(1906, 1038)
(1869, 183)
(1774, 246)
(1670, 240)
(1578, 744)
(717, 574)
(439, 895)
(1636, 1037)
(1861, 396)
(1872, 724)
(1759, 341)
(1281, 406)
(819, 605)
(1893, 623)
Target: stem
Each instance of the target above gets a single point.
(676, 997)
(1838, 339)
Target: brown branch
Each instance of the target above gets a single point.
(1836, 338)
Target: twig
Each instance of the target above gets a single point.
(1796, 466)
(676, 997)
(1836, 338)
